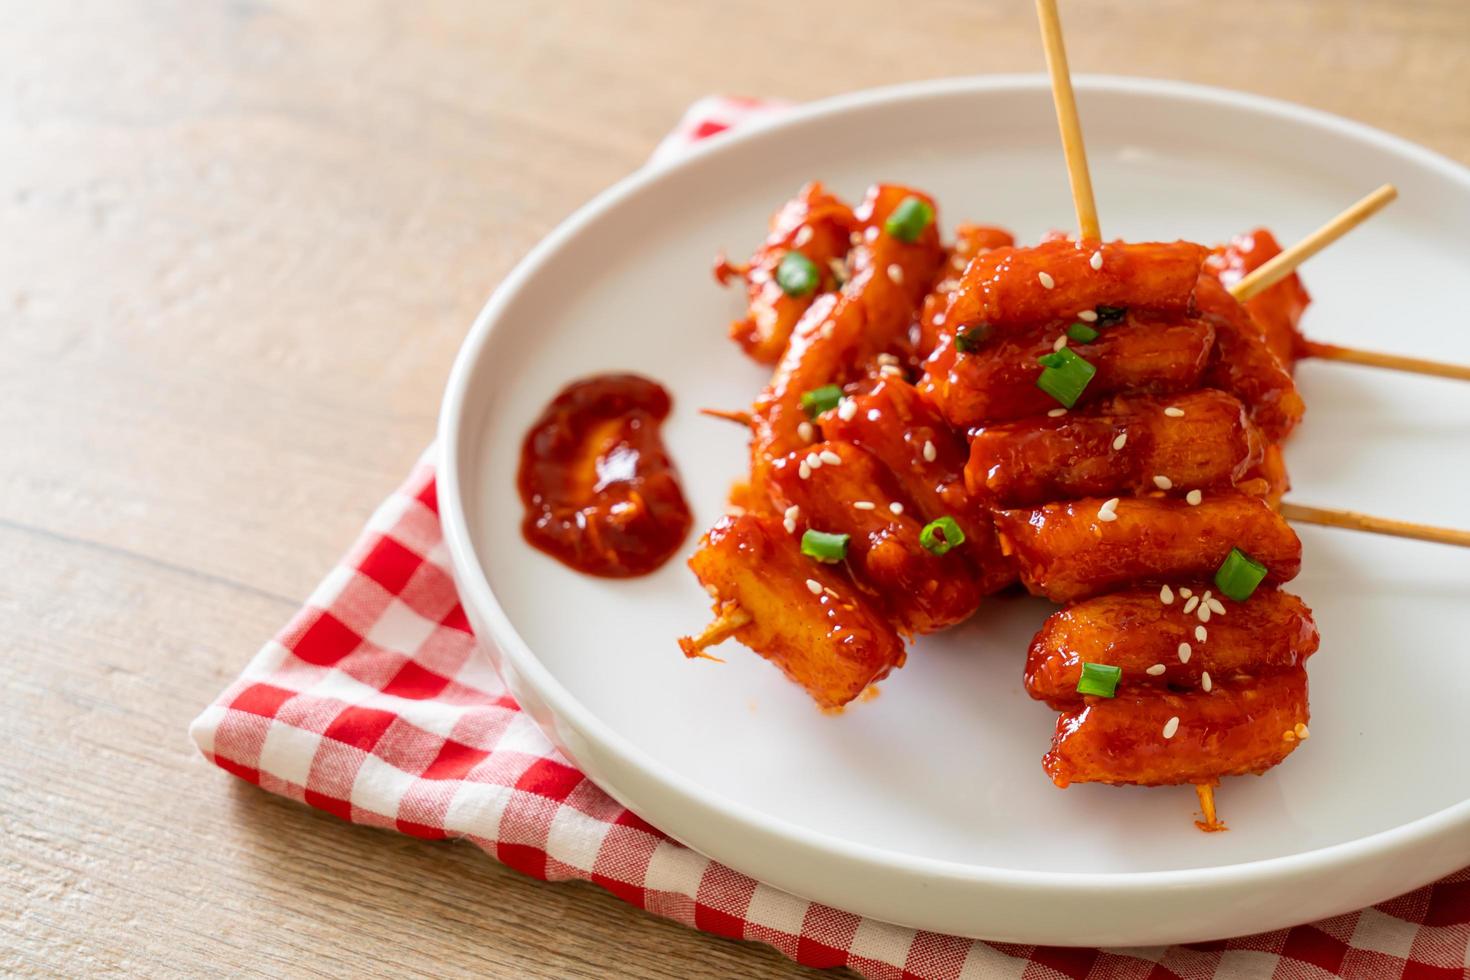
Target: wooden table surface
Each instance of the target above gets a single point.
(242, 241)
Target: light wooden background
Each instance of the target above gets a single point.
(239, 244)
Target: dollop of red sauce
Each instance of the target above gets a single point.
(601, 493)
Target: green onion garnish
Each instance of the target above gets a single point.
(797, 275)
(818, 400)
(942, 535)
(909, 219)
(1109, 315)
(1239, 575)
(823, 546)
(1099, 679)
(967, 340)
(1064, 375)
(1082, 333)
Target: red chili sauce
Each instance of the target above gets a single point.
(600, 491)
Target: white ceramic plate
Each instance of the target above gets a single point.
(928, 806)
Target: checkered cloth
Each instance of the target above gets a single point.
(374, 704)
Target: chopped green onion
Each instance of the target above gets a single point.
(823, 546)
(909, 219)
(1099, 679)
(818, 400)
(1064, 375)
(1109, 315)
(1082, 333)
(1239, 575)
(942, 535)
(797, 275)
(967, 340)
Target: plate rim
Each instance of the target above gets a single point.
(475, 589)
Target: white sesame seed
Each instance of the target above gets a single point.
(863, 505)
(1191, 604)
(1216, 606)
(874, 415)
(814, 461)
(1119, 442)
(806, 432)
(793, 512)
(1204, 612)
(1174, 412)
(1166, 596)
(1185, 650)
(831, 458)
(896, 507)
(872, 233)
(804, 471)
(1156, 670)
(1201, 634)
(846, 409)
(813, 586)
(803, 235)
(826, 330)
(1186, 593)
(1205, 682)
(938, 320)
(1056, 413)
(855, 239)
(1087, 316)
(891, 371)
(895, 272)
(930, 453)
(1046, 280)
(887, 358)
(1206, 596)
(789, 525)
(839, 269)
(1096, 260)
(1109, 510)
(1163, 482)
(1060, 342)
(1301, 731)
(1171, 726)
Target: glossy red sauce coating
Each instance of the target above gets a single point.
(601, 494)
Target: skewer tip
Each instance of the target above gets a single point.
(1211, 823)
(730, 619)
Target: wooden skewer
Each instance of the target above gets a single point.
(1211, 823)
(731, 618)
(1354, 521)
(1067, 121)
(1283, 265)
(1394, 362)
(729, 415)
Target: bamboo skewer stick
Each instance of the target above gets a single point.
(1067, 121)
(729, 415)
(1393, 362)
(1283, 265)
(1211, 822)
(730, 619)
(1354, 521)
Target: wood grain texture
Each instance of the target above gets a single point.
(243, 239)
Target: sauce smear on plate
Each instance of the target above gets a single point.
(600, 491)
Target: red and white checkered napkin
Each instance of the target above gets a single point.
(375, 705)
